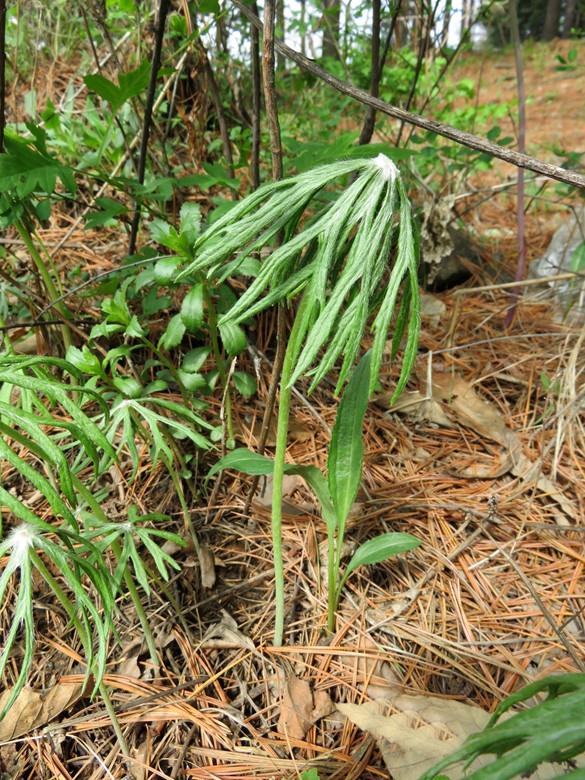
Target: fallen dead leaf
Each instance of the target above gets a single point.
(297, 431)
(206, 566)
(32, 709)
(290, 483)
(418, 732)
(226, 635)
(414, 732)
(299, 707)
(450, 399)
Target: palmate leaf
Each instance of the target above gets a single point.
(339, 259)
(550, 731)
(29, 171)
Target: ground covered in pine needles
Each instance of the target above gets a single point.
(481, 459)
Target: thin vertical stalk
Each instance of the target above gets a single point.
(219, 362)
(270, 89)
(45, 275)
(369, 121)
(255, 161)
(2, 72)
(423, 43)
(291, 355)
(332, 575)
(520, 216)
(270, 101)
(163, 11)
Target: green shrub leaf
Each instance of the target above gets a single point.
(192, 308)
(379, 549)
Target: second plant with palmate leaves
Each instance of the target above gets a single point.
(344, 262)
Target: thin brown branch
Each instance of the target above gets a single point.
(521, 221)
(255, 161)
(163, 11)
(446, 131)
(2, 72)
(370, 119)
(270, 99)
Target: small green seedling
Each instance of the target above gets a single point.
(336, 493)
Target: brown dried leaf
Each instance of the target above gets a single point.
(454, 397)
(418, 732)
(206, 566)
(32, 709)
(415, 732)
(226, 635)
(296, 707)
(300, 708)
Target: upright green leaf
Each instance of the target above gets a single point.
(344, 464)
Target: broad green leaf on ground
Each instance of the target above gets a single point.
(381, 548)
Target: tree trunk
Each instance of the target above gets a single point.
(569, 20)
(331, 19)
(551, 20)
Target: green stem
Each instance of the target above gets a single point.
(45, 275)
(331, 583)
(297, 334)
(277, 483)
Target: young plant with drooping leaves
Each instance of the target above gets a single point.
(50, 435)
(349, 262)
(337, 491)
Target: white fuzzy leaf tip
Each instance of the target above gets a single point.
(385, 164)
(21, 539)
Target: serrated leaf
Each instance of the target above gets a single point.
(128, 386)
(105, 88)
(194, 359)
(193, 381)
(190, 222)
(245, 384)
(173, 334)
(166, 269)
(135, 81)
(192, 308)
(233, 337)
(165, 234)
